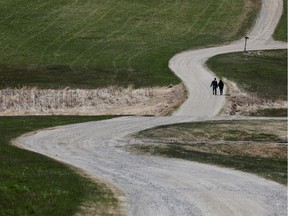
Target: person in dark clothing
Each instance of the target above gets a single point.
(221, 86)
(214, 86)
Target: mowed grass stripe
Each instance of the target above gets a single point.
(60, 44)
(46, 29)
(124, 31)
(164, 42)
(82, 25)
(148, 16)
(120, 42)
(39, 26)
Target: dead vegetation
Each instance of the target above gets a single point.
(240, 102)
(256, 146)
(105, 101)
(251, 149)
(113, 100)
(245, 131)
(265, 150)
(263, 138)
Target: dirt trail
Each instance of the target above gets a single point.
(160, 186)
(189, 66)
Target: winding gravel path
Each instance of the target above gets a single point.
(158, 186)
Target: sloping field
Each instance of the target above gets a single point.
(87, 44)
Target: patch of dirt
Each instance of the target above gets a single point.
(157, 101)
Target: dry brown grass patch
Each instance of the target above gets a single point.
(263, 150)
(240, 102)
(105, 101)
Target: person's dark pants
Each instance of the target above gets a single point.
(221, 91)
(214, 90)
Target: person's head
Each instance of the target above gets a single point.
(214, 78)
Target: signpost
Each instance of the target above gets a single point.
(246, 38)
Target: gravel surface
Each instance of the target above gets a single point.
(159, 186)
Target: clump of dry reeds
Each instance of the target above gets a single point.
(240, 102)
(105, 101)
(46, 99)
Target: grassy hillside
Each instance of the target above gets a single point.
(117, 42)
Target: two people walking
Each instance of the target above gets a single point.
(215, 85)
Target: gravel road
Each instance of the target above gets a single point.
(159, 186)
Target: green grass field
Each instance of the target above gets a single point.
(87, 44)
(31, 184)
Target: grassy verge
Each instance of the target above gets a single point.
(88, 44)
(258, 146)
(270, 112)
(32, 184)
(281, 30)
(260, 72)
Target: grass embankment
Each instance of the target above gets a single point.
(261, 73)
(31, 184)
(253, 146)
(88, 44)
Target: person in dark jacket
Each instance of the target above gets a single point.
(214, 86)
(221, 86)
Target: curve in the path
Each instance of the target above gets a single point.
(191, 69)
(158, 186)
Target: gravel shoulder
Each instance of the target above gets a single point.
(160, 186)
